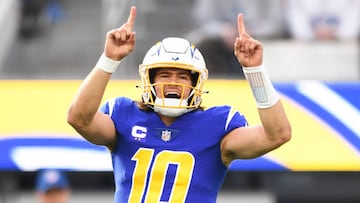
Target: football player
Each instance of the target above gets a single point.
(166, 147)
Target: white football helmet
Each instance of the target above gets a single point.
(173, 52)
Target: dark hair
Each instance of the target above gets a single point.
(144, 107)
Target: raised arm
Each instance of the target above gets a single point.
(83, 114)
(251, 142)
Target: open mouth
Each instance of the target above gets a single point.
(173, 95)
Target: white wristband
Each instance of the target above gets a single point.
(261, 86)
(106, 64)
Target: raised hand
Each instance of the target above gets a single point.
(248, 51)
(121, 41)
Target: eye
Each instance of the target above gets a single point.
(184, 77)
(164, 75)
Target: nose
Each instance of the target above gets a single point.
(174, 81)
(174, 78)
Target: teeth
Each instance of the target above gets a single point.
(171, 93)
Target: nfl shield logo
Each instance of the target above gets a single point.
(166, 135)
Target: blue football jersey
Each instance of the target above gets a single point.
(153, 162)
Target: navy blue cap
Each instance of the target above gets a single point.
(51, 179)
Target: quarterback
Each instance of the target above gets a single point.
(167, 147)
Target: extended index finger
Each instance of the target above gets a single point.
(241, 25)
(132, 16)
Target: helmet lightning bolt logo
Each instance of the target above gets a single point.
(175, 58)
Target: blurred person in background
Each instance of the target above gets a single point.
(52, 186)
(216, 27)
(30, 17)
(36, 13)
(167, 147)
(323, 19)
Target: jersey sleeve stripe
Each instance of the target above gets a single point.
(111, 104)
(230, 115)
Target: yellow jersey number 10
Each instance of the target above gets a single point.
(143, 158)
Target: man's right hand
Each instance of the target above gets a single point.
(121, 41)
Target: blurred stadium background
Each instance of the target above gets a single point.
(41, 68)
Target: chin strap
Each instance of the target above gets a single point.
(178, 107)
